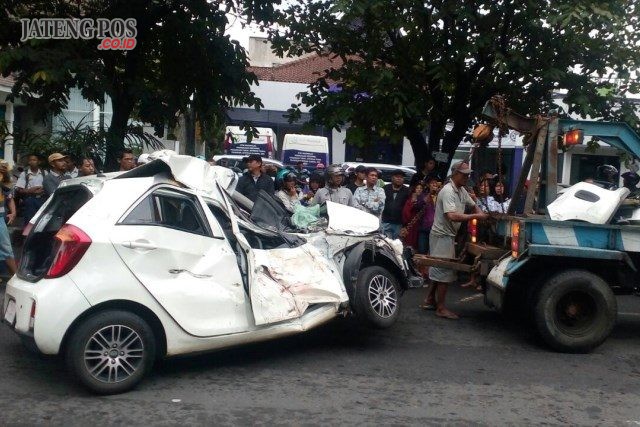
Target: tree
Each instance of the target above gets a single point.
(409, 65)
(182, 59)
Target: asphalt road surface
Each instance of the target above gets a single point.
(481, 370)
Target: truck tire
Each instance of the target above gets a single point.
(575, 311)
(377, 297)
(111, 351)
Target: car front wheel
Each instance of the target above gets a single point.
(377, 297)
(111, 351)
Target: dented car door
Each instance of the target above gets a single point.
(285, 281)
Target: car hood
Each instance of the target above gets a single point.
(349, 220)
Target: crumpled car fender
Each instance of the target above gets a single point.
(373, 255)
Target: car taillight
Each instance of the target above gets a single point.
(515, 239)
(473, 230)
(71, 244)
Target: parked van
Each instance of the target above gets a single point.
(308, 149)
(264, 144)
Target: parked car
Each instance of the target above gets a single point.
(119, 270)
(385, 170)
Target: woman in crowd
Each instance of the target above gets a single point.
(411, 216)
(289, 195)
(499, 202)
(315, 183)
(428, 203)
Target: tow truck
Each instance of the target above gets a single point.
(562, 260)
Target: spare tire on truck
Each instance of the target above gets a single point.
(575, 311)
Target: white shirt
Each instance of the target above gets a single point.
(35, 179)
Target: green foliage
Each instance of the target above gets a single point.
(409, 63)
(182, 59)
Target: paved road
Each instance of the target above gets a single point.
(478, 370)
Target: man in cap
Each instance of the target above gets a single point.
(334, 191)
(57, 174)
(250, 184)
(361, 174)
(450, 206)
(396, 195)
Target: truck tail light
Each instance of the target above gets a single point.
(515, 239)
(71, 244)
(473, 230)
(573, 137)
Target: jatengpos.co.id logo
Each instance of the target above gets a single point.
(113, 34)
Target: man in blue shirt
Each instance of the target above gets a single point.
(370, 198)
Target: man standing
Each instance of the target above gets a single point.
(29, 187)
(333, 191)
(126, 161)
(56, 175)
(361, 174)
(250, 184)
(450, 206)
(396, 195)
(72, 169)
(370, 198)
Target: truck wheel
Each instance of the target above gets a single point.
(575, 311)
(377, 297)
(111, 351)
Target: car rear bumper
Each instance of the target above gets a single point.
(58, 302)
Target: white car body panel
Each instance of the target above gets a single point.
(568, 207)
(52, 318)
(287, 281)
(184, 277)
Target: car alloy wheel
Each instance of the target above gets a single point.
(113, 353)
(382, 296)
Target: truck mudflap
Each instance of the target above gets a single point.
(498, 280)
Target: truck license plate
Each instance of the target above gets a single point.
(10, 312)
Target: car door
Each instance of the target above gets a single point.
(285, 281)
(182, 257)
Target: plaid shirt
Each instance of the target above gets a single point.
(370, 199)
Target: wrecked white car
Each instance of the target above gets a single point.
(123, 269)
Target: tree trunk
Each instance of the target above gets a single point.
(418, 144)
(122, 109)
(190, 132)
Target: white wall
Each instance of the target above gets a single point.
(278, 95)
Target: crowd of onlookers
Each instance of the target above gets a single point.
(405, 212)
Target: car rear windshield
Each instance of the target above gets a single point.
(38, 250)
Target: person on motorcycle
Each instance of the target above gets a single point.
(334, 191)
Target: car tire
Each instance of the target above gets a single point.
(377, 297)
(111, 351)
(575, 311)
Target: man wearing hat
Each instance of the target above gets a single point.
(450, 206)
(250, 184)
(396, 195)
(58, 164)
